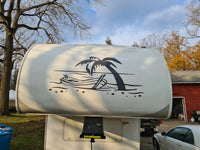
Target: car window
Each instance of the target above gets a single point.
(189, 137)
(182, 134)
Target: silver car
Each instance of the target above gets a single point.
(185, 137)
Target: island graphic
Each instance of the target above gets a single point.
(90, 79)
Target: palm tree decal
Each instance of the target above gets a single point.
(107, 62)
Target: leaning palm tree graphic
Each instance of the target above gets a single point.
(108, 64)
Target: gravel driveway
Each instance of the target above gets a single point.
(146, 140)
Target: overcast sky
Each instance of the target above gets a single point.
(128, 21)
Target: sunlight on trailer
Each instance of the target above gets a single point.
(94, 80)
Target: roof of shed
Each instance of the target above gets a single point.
(185, 76)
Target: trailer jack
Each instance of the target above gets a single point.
(93, 129)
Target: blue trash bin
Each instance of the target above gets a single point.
(5, 137)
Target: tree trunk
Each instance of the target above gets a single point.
(119, 81)
(6, 74)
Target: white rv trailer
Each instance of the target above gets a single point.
(93, 92)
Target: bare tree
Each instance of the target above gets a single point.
(193, 19)
(21, 20)
(154, 40)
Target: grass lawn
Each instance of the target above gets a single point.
(28, 131)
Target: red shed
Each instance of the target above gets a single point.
(186, 93)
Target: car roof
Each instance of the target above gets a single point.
(196, 132)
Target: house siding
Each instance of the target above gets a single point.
(191, 93)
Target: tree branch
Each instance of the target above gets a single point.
(2, 17)
(29, 15)
(18, 5)
(39, 15)
(37, 6)
(3, 22)
(10, 9)
(27, 27)
(20, 54)
(21, 46)
(72, 18)
(2, 3)
(1, 46)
